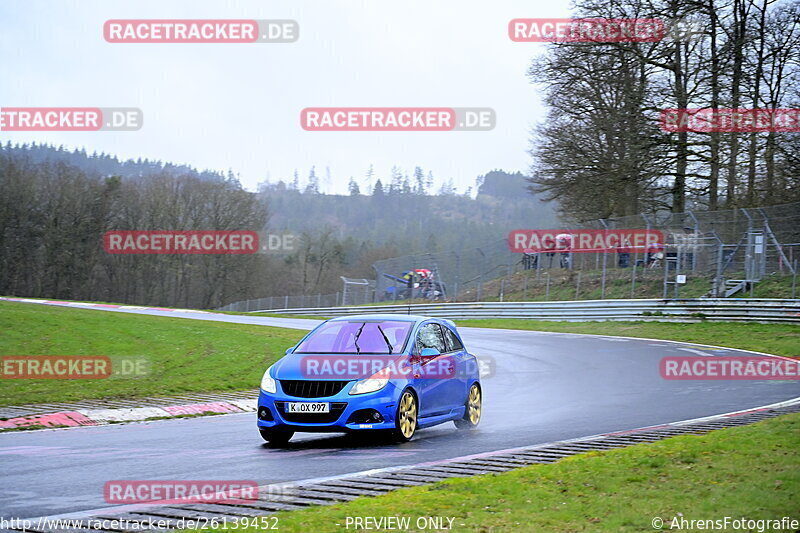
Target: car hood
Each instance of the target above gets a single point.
(302, 366)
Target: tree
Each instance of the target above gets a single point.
(353, 187)
(369, 177)
(396, 183)
(605, 100)
(596, 137)
(420, 187)
(447, 188)
(312, 187)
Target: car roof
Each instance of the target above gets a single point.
(388, 316)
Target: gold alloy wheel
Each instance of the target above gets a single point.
(474, 405)
(407, 415)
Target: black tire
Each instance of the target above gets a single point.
(473, 407)
(276, 437)
(406, 417)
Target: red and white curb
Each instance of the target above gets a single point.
(95, 417)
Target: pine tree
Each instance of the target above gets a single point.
(377, 191)
(313, 183)
(369, 176)
(353, 187)
(420, 187)
(396, 185)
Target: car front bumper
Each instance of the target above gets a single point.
(348, 413)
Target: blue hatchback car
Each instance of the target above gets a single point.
(395, 373)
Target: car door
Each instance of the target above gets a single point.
(432, 388)
(457, 386)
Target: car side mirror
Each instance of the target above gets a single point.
(430, 352)
(289, 350)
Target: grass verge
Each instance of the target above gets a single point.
(558, 284)
(778, 339)
(181, 355)
(694, 477)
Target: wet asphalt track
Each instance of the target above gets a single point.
(546, 387)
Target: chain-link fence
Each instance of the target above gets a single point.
(726, 251)
(285, 302)
(354, 292)
(704, 253)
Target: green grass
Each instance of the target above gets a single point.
(778, 339)
(563, 285)
(183, 355)
(701, 477)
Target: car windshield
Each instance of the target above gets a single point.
(357, 337)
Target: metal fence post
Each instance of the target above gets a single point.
(718, 283)
(547, 290)
(678, 261)
(525, 287)
(605, 261)
(794, 279)
(482, 268)
(633, 280)
(458, 276)
(578, 285)
(603, 282)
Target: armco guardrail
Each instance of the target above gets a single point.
(749, 310)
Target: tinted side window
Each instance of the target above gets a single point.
(453, 344)
(430, 336)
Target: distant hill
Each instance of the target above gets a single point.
(101, 163)
(414, 222)
(61, 202)
(397, 218)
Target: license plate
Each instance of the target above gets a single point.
(308, 407)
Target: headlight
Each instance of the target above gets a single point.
(267, 383)
(372, 384)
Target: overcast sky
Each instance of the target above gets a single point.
(237, 106)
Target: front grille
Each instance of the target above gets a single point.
(337, 408)
(312, 389)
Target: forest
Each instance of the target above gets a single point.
(56, 205)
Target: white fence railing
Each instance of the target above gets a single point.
(745, 309)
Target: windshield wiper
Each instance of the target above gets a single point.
(385, 338)
(358, 334)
